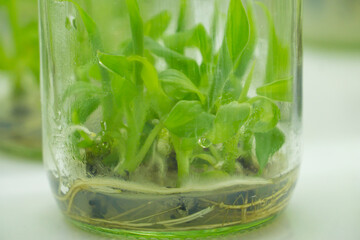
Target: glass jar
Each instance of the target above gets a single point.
(20, 116)
(171, 118)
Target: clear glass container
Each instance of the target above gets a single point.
(171, 118)
(20, 116)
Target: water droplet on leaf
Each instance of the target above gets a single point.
(204, 142)
(70, 23)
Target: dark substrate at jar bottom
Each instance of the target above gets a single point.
(114, 207)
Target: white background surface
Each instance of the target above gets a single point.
(326, 201)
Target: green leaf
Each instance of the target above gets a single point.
(137, 28)
(237, 30)
(121, 65)
(267, 144)
(245, 90)
(181, 24)
(279, 91)
(157, 25)
(247, 55)
(124, 91)
(221, 76)
(203, 42)
(188, 119)
(278, 64)
(150, 79)
(79, 89)
(229, 119)
(149, 74)
(236, 38)
(115, 63)
(182, 113)
(96, 43)
(177, 85)
(90, 26)
(175, 60)
(196, 37)
(178, 41)
(265, 114)
(82, 108)
(86, 99)
(197, 127)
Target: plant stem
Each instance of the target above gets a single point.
(135, 126)
(183, 160)
(137, 31)
(183, 167)
(147, 144)
(215, 153)
(245, 91)
(136, 115)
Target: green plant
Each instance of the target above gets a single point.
(201, 113)
(19, 51)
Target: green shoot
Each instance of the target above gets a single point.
(184, 111)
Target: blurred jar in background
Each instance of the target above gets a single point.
(20, 118)
(332, 23)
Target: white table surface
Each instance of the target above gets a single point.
(326, 201)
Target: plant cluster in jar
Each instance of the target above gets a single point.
(191, 119)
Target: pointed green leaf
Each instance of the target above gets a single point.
(237, 30)
(197, 127)
(78, 89)
(267, 144)
(175, 60)
(157, 25)
(248, 53)
(124, 91)
(96, 43)
(82, 108)
(188, 119)
(229, 119)
(121, 65)
(182, 19)
(182, 113)
(90, 26)
(278, 64)
(177, 85)
(196, 37)
(279, 91)
(149, 74)
(150, 79)
(235, 41)
(115, 63)
(137, 28)
(265, 114)
(83, 98)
